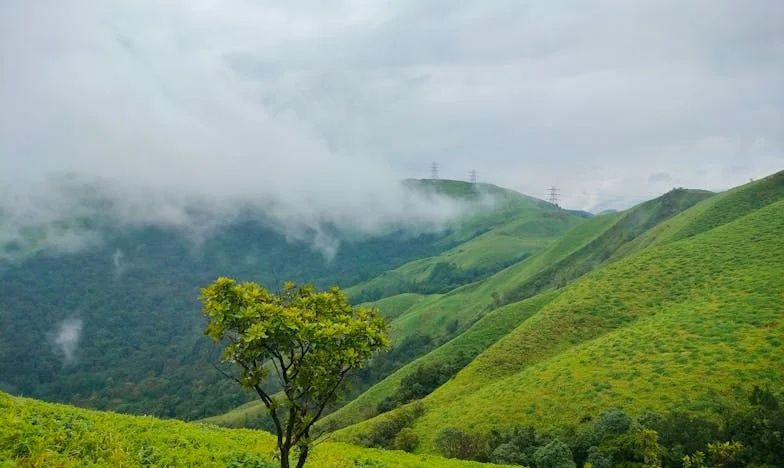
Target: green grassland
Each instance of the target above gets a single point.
(33, 433)
(679, 326)
(393, 306)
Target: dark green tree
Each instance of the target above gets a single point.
(556, 454)
(303, 340)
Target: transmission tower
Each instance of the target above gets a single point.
(472, 174)
(434, 171)
(553, 196)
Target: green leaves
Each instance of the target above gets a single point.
(312, 339)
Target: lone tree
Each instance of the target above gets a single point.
(306, 340)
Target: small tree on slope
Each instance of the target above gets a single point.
(306, 340)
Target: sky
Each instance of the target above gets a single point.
(326, 105)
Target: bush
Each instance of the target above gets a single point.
(384, 433)
(596, 459)
(556, 454)
(508, 454)
(611, 422)
(423, 381)
(452, 442)
(406, 440)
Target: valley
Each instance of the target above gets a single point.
(521, 317)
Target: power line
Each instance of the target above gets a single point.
(553, 196)
(434, 171)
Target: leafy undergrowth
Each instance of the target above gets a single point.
(681, 326)
(34, 433)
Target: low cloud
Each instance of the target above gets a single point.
(67, 337)
(70, 213)
(316, 113)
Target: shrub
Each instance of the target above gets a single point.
(406, 440)
(556, 454)
(452, 442)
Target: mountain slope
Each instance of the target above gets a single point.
(580, 250)
(686, 325)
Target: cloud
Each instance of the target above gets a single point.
(67, 337)
(659, 178)
(318, 110)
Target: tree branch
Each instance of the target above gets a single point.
(226, 374)
(323, 405)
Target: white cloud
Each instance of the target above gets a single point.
(323, 107)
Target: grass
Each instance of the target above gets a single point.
(682, 325)
(484, 333)
(34, 433)
(712, 212)
(393, 306)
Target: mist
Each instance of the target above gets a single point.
(66, 339)
(121, 109)
(185, 114)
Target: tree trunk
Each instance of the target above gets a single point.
(284, 456)
(303, 455)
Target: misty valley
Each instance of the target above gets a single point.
(518, 333)
(400, 234)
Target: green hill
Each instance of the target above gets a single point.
(687, 325)
(513, 228)
(464, 309)
(430, 318)
(33, 433)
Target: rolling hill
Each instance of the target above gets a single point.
(474, 312)
(686, 316)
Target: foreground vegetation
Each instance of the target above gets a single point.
(33, 433)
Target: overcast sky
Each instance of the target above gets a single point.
(611, 101)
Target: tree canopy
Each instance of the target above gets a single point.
(302, 340)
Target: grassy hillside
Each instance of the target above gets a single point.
(469, 344)
(686, 325)
(33, 433)
(393, 306)
(437, 317)
(580, 251)
(715, 211)
(513, 227)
